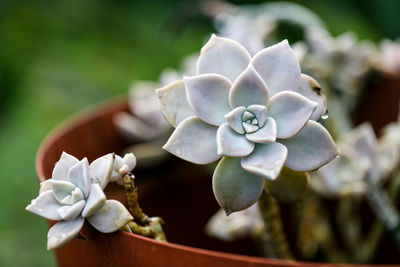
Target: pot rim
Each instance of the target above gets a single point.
(105, 107)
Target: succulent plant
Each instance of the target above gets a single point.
(362, 157)
(75, 193)
(388, 60)
(250, 111)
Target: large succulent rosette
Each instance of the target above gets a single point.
(256, 113)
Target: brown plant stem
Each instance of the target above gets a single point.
(147, 226)
(272, 239)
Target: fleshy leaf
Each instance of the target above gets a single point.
(311, 89)
(60, 171)
(266, 134)
(266, 160)
(174, 104)
(362, 140)
(291, 111)
(95, 201)
(45, 186)
(45, 205)
(208, 96)
(232, 144)
(234, 188)
(61, 189)
(129, 159)
(278, 67)
(76, 196)
(260, 112)
(310, 149)
(69, 213)
(63, 232)
(80, 176)
(248, 89)
(290, 185)
(223, 56)
(101, 168)
(249, 128)
(195, 141)
(111, 217)
(234, 118)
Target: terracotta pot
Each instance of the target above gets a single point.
(177, 191)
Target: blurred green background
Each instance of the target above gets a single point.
(58, 57)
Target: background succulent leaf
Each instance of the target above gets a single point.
(234, 188)
(174, 104)
(195, 141)
(290, 185)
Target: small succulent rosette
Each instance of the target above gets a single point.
(363, 160)
(256, 113)
(75, 193)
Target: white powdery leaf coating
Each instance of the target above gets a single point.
(101, 169)
(195, 141)
(63, 232)
(80, 176)
(311, 89)
(45, 205)
(234, 188)
(174, 104)
(45, 186)
(129, 160)
(291, 111)
(95, 201)
(266, 160)
(232, 144)
(111, 217)
(310, 148)
(248, 89)
(266, 134)
(69, 213)
(208, 96)
(234, 118)
(223, 56)
(278, 67)
(60, 171)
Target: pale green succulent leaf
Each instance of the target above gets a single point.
(234, 118)
(45, 205)
(208, 94)
(311, 89)
(195, 141)
(101, 169)
(223, 56)
(278, 66)
(95, 201)
(61, 189)
(79, 175)
(310, 148)
(234, 188)
(266, 134)
(111, 217)
(60, 171)
(266, 160)
(174, 104)
(69, 213)
(232, 144)
(291, 111)
(63, 232)
(248, 89)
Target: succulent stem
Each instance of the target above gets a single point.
(148, 226)
(272, 238)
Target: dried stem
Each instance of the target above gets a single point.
(148, 226)
(272, 238)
